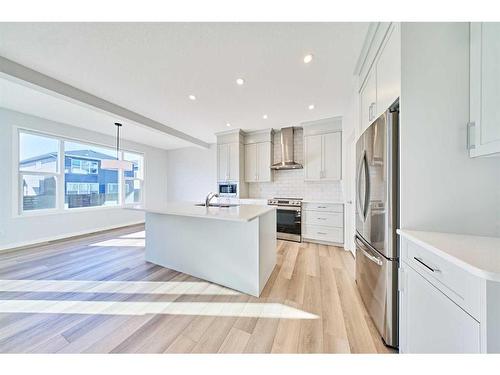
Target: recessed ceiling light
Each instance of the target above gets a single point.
(311, 106)
(264, 117)
(192, 97)
(228, 124)
(308, 58)
(240, 81)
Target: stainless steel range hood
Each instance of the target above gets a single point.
(287, 161)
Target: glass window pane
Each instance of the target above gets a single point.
(39, 192)
(137, 162)
(86, 184)
(38, 153)
(132, 191)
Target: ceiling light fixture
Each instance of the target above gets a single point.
(308, 58)
(311, 106)
(192, 97)
(228, 124)
(264, 117)
(240, 81)
(117, 164)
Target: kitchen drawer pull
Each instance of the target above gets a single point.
(321, 218)
(323, 233)
(321, 206)
(425, 265)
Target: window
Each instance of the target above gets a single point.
(82, 166)
(84, 183)
(134, 178)
(38, 171)
(79, 166)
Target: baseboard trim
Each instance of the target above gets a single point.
(66, 236)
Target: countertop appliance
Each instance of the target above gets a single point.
(377, 218)
(288, 218)
(227, 189)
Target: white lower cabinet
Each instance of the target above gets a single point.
(323, 222)
(430, 322)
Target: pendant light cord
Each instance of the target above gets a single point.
(118, 125)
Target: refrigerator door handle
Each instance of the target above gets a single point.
(362, 201)
(371, 257)
(367, 187)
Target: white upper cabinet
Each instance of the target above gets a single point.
(379, 70)
(369, 100)
(323, 150)
(234, 161)
(264, 160)
(389, 71)
(332, 156)
(223, 162)
(484, 126)
(258, 156)
(313, 157)
(251, 162)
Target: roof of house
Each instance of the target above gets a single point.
(84, 154)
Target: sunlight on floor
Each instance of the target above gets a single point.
(136, 239)
(139, 287)
(220, 309)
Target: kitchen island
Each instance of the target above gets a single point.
(231, 246)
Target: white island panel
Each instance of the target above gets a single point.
(238, 253)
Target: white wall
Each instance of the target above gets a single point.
(19, 230)
(192, 173)
(442, 189)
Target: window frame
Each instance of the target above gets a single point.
(140, 179)
(60, 176)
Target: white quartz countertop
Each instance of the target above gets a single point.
(476, 254)
(324, 202)
(244, 212)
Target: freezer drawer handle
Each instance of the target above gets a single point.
(373, 258)
(425, 265)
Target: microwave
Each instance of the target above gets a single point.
(228, 189)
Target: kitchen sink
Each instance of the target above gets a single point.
(220, 205)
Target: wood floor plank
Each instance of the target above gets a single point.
(308, 279)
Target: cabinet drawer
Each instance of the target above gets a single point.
(325, 207)
(459, 285)
(321, 233)
(328, 219)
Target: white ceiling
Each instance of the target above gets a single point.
(151, 68)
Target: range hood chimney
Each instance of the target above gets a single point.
(287, 161)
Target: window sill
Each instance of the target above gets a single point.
(48, 212)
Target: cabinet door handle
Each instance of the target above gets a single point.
(425, 265)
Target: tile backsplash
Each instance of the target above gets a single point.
(290, 183)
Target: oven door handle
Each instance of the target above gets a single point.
(297, 209)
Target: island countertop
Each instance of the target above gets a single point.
(244, 212)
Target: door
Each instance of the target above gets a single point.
(288, 220)
(222, 162)
(332, 156)
(264, 162)
(313, 157)
(233, 161)
(369, 100)
(485, 88)
(376, 185)
(431, 322)
(389, 71)
(376, 278)
(251, 162)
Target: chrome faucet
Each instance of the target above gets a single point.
(209, 197)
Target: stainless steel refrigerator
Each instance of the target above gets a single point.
(377, 218)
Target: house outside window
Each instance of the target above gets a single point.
(85, 184)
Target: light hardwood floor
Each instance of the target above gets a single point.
(96, 294)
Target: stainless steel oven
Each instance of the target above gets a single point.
(288, 218)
